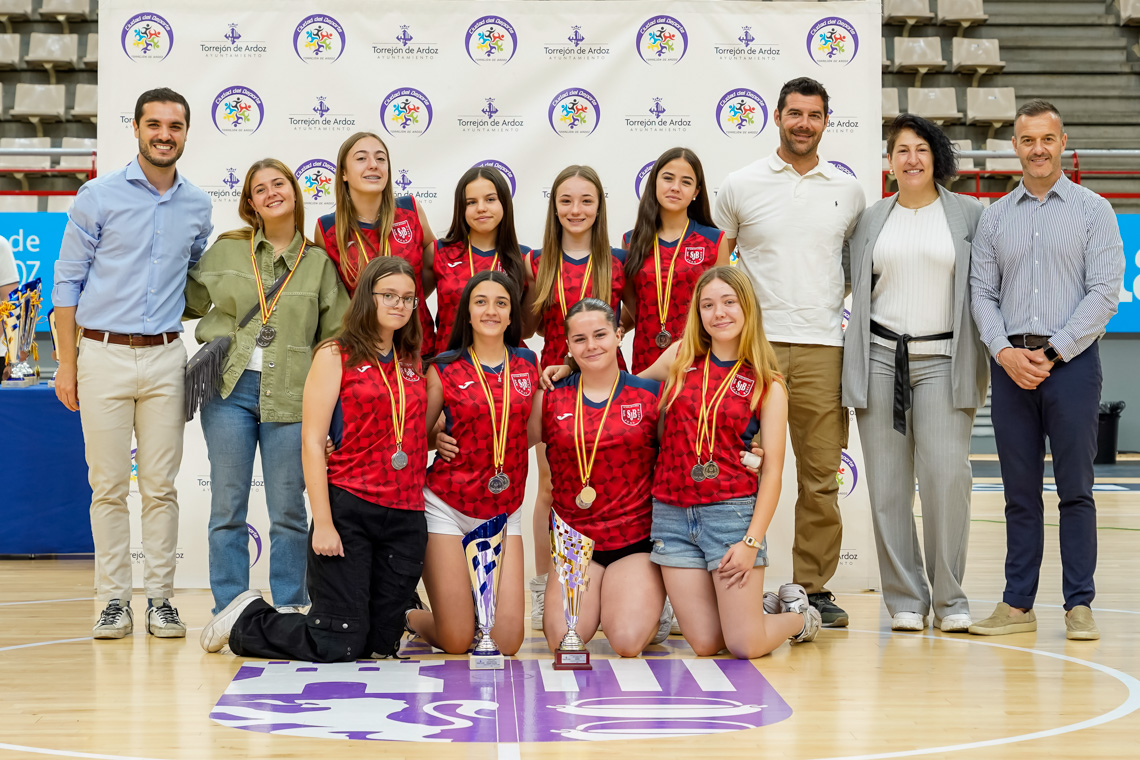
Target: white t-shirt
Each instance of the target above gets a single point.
(8, 273)
(789, 232)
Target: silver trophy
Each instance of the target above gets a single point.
(30, 304)
(571, 552)
(484, 549)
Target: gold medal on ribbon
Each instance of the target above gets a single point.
(707, 419)
(266, 334)
(399, 411)
(587, 496)
(665, 292)
(499, 482)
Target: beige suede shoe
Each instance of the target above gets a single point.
(1080, 626)
(1003, 621)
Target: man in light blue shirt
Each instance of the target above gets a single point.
(131, 236)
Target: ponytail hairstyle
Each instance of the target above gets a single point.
(506, 241)
(359, 334)
(550, 264)
(648, 223)
(245, 203)
(754, 346)
(347, 225)
(583, 306)
(463, 334)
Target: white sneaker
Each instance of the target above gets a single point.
(216, 634)
(957, 623)
(908, 621)
(664, 623)
(772, 604)
(290, 609)
(812, 623)
(537, 597)
(793, 598)
(115, 622)
(162, 620)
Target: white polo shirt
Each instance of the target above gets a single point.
(789, 232)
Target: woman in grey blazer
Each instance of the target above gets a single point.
(915, 372)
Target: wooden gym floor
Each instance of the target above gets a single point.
(863, 692)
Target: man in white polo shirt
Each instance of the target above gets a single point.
(789, 215)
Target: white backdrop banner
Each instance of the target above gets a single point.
(528, 86)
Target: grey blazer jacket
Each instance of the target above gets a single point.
(969, 360)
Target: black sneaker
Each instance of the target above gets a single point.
(832, 614)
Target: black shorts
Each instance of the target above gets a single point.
(607, 557)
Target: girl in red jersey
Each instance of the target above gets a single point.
(487, 388)
(370, 221)
(368, 533)
(482, 237)
(661, 274)
(722, 389)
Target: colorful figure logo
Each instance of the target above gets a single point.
(147, 37)
(491, 39)
(495, 163)
(832, 40)
(316, 177)
(318, 39)
(662, 39)
(848, 475)
(742, 112)
(238, 110)
(406, 111)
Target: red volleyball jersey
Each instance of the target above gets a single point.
(695, 254)
(462, 482)
(365, 437)
(622, 475)
(736, 426)
(553, 320)
(405, 241)
(452, 270)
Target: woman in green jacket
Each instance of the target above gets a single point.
(259, 400)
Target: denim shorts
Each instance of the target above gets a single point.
(699, 537)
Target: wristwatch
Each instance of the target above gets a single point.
(751, 542)
(1052, 354)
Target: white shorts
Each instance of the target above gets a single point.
(446, 520)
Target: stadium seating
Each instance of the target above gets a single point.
(25, 162)
(39, 103)
(939, 104)
(86, 107)
(19, 204)
(77, 162)
(918, 55)
(1129, 12)
(65, 11)
(14, 10)
(91, 57)
(890, 103)
(977, 57)
(59, 204)
(961, 13)
(52, 52)
(908, 12)
(9, 51)
(886, 61)
(990, 105)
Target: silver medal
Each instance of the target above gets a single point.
(266, 335)
(663, 339)
(498, 483)
(399, 460)
(697, 473)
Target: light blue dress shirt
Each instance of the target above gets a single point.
(126, 251)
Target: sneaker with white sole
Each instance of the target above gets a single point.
(956, 623)
(812, 624)
(908, 621)
(772, 604)
(664, 623)
(162, 620)
(290, 609)
(115, 621)
(216, 633)
(537, 597)
(793, 598)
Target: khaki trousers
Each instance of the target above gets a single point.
(125, 390)
(818, 427)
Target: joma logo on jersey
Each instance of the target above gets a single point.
(522, 384)
(402, 231)
(631, 414)
(742, 386)
(694, 255)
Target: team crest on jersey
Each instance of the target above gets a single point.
(402, 231)
(742, 386)
(694, 255)
(522, 384)
(409, 374)
(631, 414)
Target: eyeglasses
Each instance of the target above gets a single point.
(391, 299)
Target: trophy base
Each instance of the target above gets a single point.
(22, 382)
(494, 661)
(572, 659)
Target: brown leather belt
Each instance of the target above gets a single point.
(1028, 341)
(134, 341)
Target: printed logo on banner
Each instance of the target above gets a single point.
(316, 178)
(490, 119)
(233, 45)
(578, 46)
(662, 39)
(832, 40)
(227, 189)
(319, 39)
(641, 178)
(405, 185)
(574, 112)
(746, 47)
(847, 476)
(491, 39)
(841, 124)
(320, 117)
(405, 45)
(255, 544)
(406, 111)
(742, 113)
(506, 171)
(238, 111)
(147, 37)
(658, 119)
(843, 167)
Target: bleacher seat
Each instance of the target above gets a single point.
(86, 102)
(961, 145)
(38, 103)
(1001, 164)
(1129, 12)
(886, 61)
(64, 11)
(14, 10)
(977, 57)
(990, 105)
(59, 204)
(886, 162)
(918, 55)
(52, 52)
(890, 103)
(91, 57)
(908, 12)
(25, 162)
(9, 51)
(77, 162)
(939, 104)
(19, 204)
(962, 13)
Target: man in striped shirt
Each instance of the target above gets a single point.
(1045, 276)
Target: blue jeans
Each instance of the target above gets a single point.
(233, 430)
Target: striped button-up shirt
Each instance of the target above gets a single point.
(1049, 267)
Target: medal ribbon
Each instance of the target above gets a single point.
(585, 467)
(267, 309)
(581, 291)
(663, 303)
(471, 259)
(498, 430)
(704, 429)
(399, 414)
(364, 248)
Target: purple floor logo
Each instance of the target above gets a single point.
(318, 39)
(741, 112)
(255, 544)
(505, 170)
(238, 110)
(147, 37)
(406, 111)
(574, 112)
(832, 40)
(843, 167)
(491, 39)
(529, 701)
(316, 177)
(641, 178)
(847, 476)
(662, 39)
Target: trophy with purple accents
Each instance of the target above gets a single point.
(12, 323)
(571, 552)
(484, 549)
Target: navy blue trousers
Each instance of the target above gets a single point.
(1065, 408)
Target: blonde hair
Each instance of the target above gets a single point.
(347, 227)
(754, 346)
(549, 265)
(245, 202)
